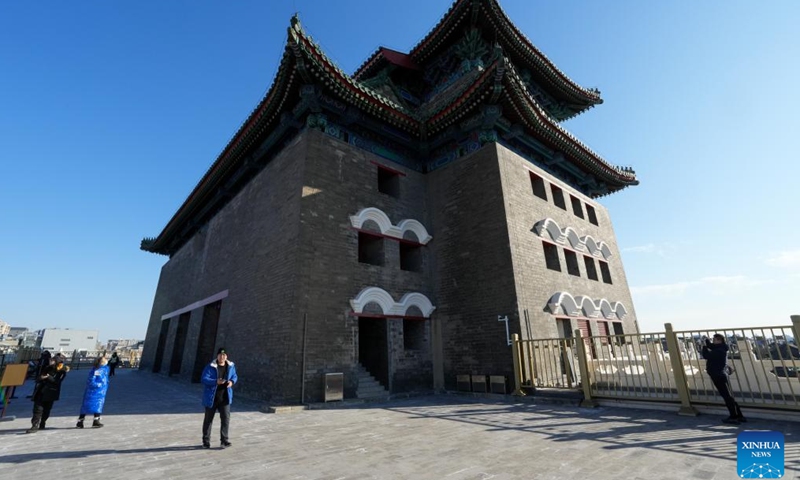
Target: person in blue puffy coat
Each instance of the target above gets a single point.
(218, 380)
(94, 397)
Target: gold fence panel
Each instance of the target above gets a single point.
(642, 367)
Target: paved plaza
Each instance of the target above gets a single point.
(152, 430)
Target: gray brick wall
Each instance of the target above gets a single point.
(284, 248)
(535, 283)
(473, 278)
(249, 248)
(340, 181)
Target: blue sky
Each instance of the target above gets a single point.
(110, 112)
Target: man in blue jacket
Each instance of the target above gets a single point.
(716, 355)
(218, 380)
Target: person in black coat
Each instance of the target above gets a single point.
(44, 362)
(47, 391)
(716, 355)
(113, 363)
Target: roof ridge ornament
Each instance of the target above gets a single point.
(471, 50)
(294, 22)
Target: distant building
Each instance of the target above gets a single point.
(69, 340)
(7, 344)
(120, 344)
(29, 338)
(15, 332)
(4, 328)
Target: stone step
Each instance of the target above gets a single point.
(373, 395)
(366, 378)
(373, 388)
(369, 384)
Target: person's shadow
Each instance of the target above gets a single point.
(29, 457)
(18, 431)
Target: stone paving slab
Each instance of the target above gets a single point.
(153, 428)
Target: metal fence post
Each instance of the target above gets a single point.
(796, 329)
(584, 369)
(515, 351)
(678, 373)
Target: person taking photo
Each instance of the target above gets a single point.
(716, 354)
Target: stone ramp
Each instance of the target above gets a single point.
(153, 431)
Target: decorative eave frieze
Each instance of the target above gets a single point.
(550, 228)
(563, 303)
(389, 307)
(386, 226)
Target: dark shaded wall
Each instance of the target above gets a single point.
(340, 181)
(249, 248)
(473, 274)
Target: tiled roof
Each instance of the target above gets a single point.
(304, 63)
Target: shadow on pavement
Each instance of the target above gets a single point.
(617, 428)
(49, 455)
(130, 392)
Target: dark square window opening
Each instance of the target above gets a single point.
(410, 257)
(605, 272)
(389, 182)
(413, 334)
(577, 208)
(618, 330)
(551, 256)
(572, 263)
(591, 269)
(537, 184)
(370, 249)
(592, 215)
(558, 197)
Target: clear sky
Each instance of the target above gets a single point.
(110, 113)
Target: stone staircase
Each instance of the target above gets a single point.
(368, 387)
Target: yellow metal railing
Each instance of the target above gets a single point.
(667, 366)
(634, 365)
(548, 363)
(765, 366)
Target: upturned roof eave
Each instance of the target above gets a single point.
(355, 88)
(502, 69)
(227, 159)
(222, 164)
(556, 76)
(536, 60)
(354, 93)
(538, 120)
